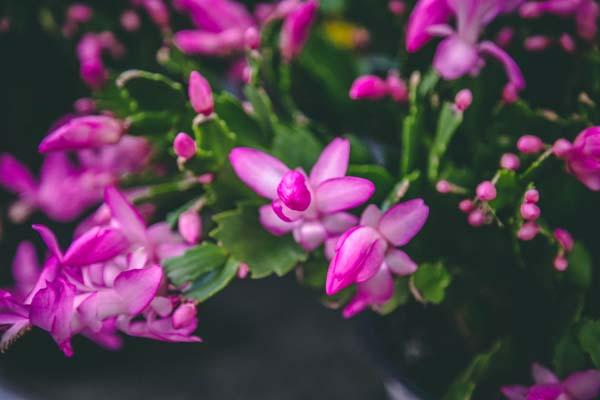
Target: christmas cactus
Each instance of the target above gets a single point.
(431, 154)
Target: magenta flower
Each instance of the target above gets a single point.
(311, 206)
(200, 94)
(460, 53)
(585, 13)
(83, 132)
(108, 280)
(296, 28)
(367, 254)
(582, 157)
(584, 385)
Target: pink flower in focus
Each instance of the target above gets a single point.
(368, 255)
(311, 206)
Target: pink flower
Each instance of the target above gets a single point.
(463, 99)
(510, 161)
(530, 144)
(367, 254)
(312, 206)
(486, 191)
(296, 28)
(460, 53)
(200, 94)
(189, 226)
(582, 157)
(184, 146)
(584, 385)
(372, 87)
(528, 231)
(83, 132)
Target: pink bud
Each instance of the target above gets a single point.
(293, 192)
(397, 7)
(530, 10)
(561, 148)
(243, 270)
(93, 73)
(206, 179)
(190, 226)
(158, 12)
(443, 186)
(466, 206)
(397, 87)
(505, 36)
(528, 231)
(530, 211)
(79, 13)
(361, 37)
(532, 196)
(200, 94)
(184, 146)
(252, 38)
(486, 191)
(83, 132)
(463, 99)
(184, 315)
(537, 43)
(84, 105)
(368, 87)
(567, 43)
(530, 144)
(561, 264)
(476, 218)
(130, 21)
(564, 238)
(296, 28)
(510, 161)
(510, 94)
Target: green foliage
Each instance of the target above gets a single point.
(589, 338)
(448, 123)
(245, 127)
(215, 141)
(244, 238)
(213, 282)
(400, 297)
(152, 91)
(195, 262)
(568, 355)
(431, 280)
(296, 146)
(579, 273)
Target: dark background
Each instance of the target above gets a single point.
(265, 339)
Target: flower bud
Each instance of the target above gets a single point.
(567, 43)
(528, 231)
(530, 10)
(200, 94)
(184, 146)
(368, 87)
(206, 179)
(510, 93)
(486, 191)
(510, 161)
(505, 36)
(83, 132)
(537, 43)
(79, 13)
(130, 21)
(252, 38)
(84, 105)
(561, 148)
(463, 99)
(190, 226)
(184, 315)
(397, 87)
(466, 206)
(243, 270)
(564, 238)
(443, 186)
(532, 196)
(530, 144)
(560, 263)
(530, 211)
(476, 218)
(293, 192)
(397, 7)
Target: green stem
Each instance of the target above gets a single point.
(537, 163)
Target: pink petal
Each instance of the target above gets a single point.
(15, 176)
(371, 216)
(542, 375)
(293, 191)
(400, 263)
(129, 219)
(455, 57)
(25, 268)
(583, 385)
(339, 222)
(402, 222)
(14, 332)
(189, 226)
(514, 392)
(425, 14)
(50, 240)
(339, 194)
(515, 76)
(310, 235)
(272, 223)
(285, 213)
(368, 87)
(376, 291)
(83, 132)
(373, 262)
(260, 171)
(96, 245)
(138, 287)
(296, 28)
(332, 163)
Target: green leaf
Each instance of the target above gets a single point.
(579, 273)
(448, 123)
(152, 123)
(589, 338)
(215, 141)
(263, 109)
(118, 101)
(568, 356)
(378, 175)
(296, 146)
(213, 282)
(242, 235)
(195, 262)
(245, 127)
(152, 91)
(431, 280)
(412, 129)
(400, 297)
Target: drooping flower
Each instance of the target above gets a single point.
(312, 206)
(461, 53)
(368, 255)
(584, 385)
(582, 157)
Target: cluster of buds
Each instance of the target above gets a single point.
(537, 43)
(478, 210)
(372, 87)
(530, 212)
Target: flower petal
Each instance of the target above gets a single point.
(50, 240)
(332, 163)
(310, 235)
(375, 291)
(584, 385)
(137, 287)
(25, 268)
(15, 176)
(515, 76)
(339, 222)
(514, 392)
(339, 194)
(373, 261)
(260, 171)
(425, 14)
(400, 263)
(96, 245)
(455, 57)
(402, 222)
(272, 223)
(83, 132)
(371, 216)
(542, 375)
(129, 219)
